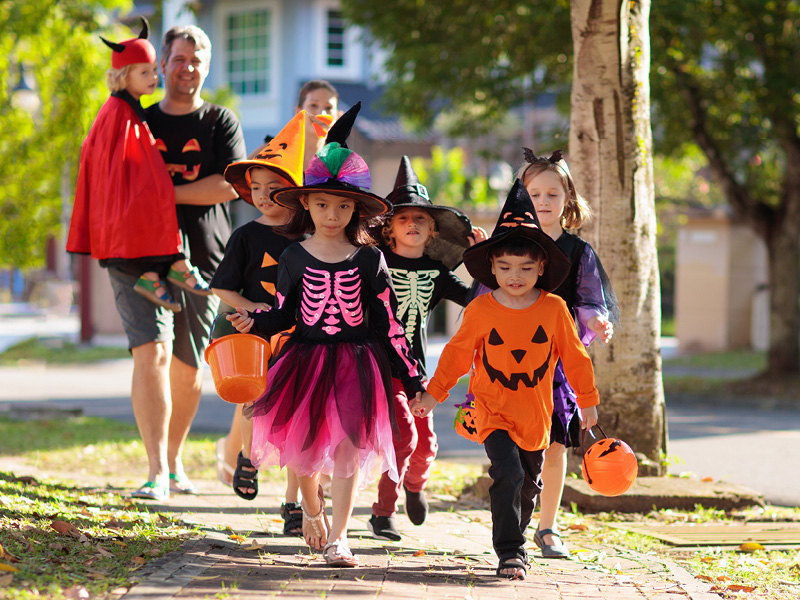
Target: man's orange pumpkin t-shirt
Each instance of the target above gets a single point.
(514, 353)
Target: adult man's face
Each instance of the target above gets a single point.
(185, 70)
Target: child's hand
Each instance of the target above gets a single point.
(602, 328)
(588, 417)
(241, 320)
(478, 235)
(256, 307)
(422, 404)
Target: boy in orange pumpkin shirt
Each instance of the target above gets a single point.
(515, 335)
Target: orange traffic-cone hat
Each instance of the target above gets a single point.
(283, 154)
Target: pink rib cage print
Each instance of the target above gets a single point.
(339, 300)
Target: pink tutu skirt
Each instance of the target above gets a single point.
(327, 409)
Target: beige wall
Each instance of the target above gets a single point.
(719, 266)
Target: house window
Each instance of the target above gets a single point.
(248, 52)
(335, 38)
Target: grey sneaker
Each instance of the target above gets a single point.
(383, 528)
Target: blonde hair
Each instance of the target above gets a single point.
(388, 234)
(117, 79)
(576, 210)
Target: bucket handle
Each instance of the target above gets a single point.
(583, 436)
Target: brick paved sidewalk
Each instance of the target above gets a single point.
(450, 556)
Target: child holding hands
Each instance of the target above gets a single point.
(124, 211)
(327, 408)
(593, 304)
(516, 334)
(424, 244)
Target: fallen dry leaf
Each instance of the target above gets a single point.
(6, 579)
(419, 553)
(102, 551)
(138, 560)
(253, 546)
(750, 547)
(723, 578)
(237, 538)
(76, 592)
(578, 527)
(205, 577)
(707, 479)
(740, 588)
(704, 578)
(8, 568)
(65, 528)
(707, 559)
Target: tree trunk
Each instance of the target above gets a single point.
(611, 161)
(783, 250)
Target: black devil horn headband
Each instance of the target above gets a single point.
(530, 157)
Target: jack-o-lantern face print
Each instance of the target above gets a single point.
(503, 355)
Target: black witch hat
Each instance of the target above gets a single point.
(336, 169)
(518, 218)
(454, 226)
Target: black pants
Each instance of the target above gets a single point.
(516, 482)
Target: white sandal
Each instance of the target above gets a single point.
(315, 519)
(223, 468)
(337, 554)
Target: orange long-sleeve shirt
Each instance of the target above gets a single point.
(515, 352)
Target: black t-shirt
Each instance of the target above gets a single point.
(250, 265)
(195, 146)
(420, 283)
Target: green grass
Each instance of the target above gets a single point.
(733, 360)
(59, 540)
(771, 574)
(58, 351)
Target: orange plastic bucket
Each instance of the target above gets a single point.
(239, 366)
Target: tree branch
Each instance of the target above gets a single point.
(745, 206)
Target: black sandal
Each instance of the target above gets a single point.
(512, 563)
(292, 513)
(245, 479)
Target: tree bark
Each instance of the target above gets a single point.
(611, 161)
(783, 251)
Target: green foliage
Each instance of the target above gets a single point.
(39, 152)
(737, 60)
(444, 177)
(476, 58)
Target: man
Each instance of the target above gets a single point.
(197, 140)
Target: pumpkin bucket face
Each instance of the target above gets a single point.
(464, 423)
(610, 467)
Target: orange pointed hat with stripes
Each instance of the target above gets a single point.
(283, 155)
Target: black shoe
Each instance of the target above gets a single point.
(383, 528)
(416, 506)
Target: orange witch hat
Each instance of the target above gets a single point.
(283, 154)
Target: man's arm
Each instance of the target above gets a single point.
(206, 191)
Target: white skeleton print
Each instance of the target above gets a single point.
(343, 297)
(414, 291)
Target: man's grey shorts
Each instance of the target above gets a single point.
(145, 321)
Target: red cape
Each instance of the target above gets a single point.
(125, 201)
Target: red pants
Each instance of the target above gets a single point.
(415, 449)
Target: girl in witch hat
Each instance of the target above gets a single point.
(424, 244)
(516, 334)
(328, 405)
(124, 210)
(593, 304)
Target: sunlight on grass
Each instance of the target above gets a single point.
(58, 351)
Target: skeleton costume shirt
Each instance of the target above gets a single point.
(331, 383)
(515, 352)
(420, 284)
